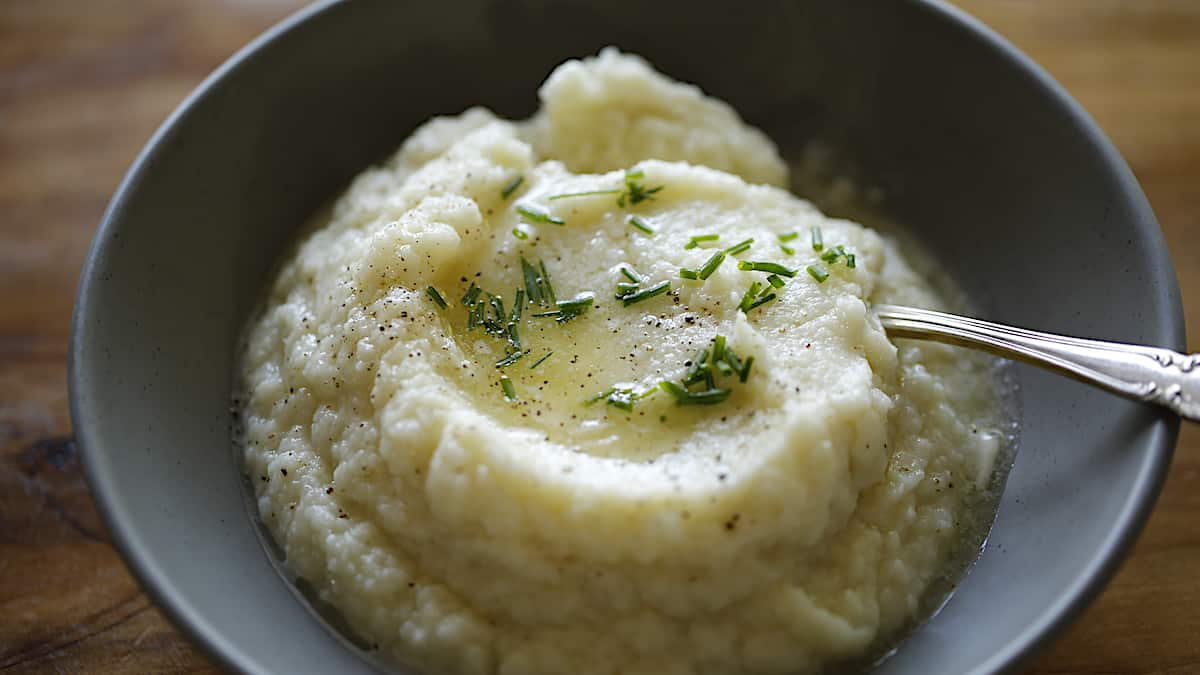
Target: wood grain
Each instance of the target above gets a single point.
(83, 85)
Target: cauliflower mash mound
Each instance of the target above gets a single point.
(782, 503)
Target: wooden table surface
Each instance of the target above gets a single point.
(82, 87)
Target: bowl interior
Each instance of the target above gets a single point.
(981, 156)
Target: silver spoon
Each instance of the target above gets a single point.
(1149, 374)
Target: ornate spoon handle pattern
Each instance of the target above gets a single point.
(1144, 373)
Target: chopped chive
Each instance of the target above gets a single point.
(707, 269)
(547, 288)
(773, 268)
(518, 302)
(626, 289)
(787, 250)
(532, 285)
(698, 371)
(830, 255)
(435, 296)
(748, 296)
(565, 310)
(686, 273)
(744, 371)
(760, 301)
(718, 353)
(520, 234)
(510, 359)
(588, 193)
(684, 397)
(512, 186)
(601, 396)
(698, 239)
(472, 294)
(850, 261)
(818, 272)
(818, 242)
(639, 224)
(514, 338)
(539, 215)
(645, 294)
(739, 247)
(578, 303)
(635, 193)
(788, 236)
(631, 275)
(621, 399)
(775, 281)
(625, 398)
(732, 359)
(539, 361)
(510, 392)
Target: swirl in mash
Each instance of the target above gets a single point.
(796, 523)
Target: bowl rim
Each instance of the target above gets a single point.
(1088, 584)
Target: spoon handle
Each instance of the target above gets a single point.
(1144, 373)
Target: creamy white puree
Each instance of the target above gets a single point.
(797, 523)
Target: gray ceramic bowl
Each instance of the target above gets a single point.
(982, 154)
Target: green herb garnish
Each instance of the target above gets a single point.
(539, 215)
(756, 296)
(520, 234)
(639, 224)
(645, 294)
(544, 278)
(775, 281)
(510, 392)
(685, 273)
(749, 296)
(635, 192)
(744, 371)
(700, 238)
(565, 310)
(759, 301)
(739, 247)
(773, 268)
(472, 294)
(817, 242)
(435, 296)
(518, 302)
(539, 361)
(699, 371)
(788, 236)
(621, 397)
(839, 252)
(818, 272)
(533, 286)
(707, 269)
(512, 186)
(587, 193)
(787, 250)
(632, 194)
(684, 397)
(510, 359)
(631, 274)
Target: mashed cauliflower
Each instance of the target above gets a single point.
(782, 503)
